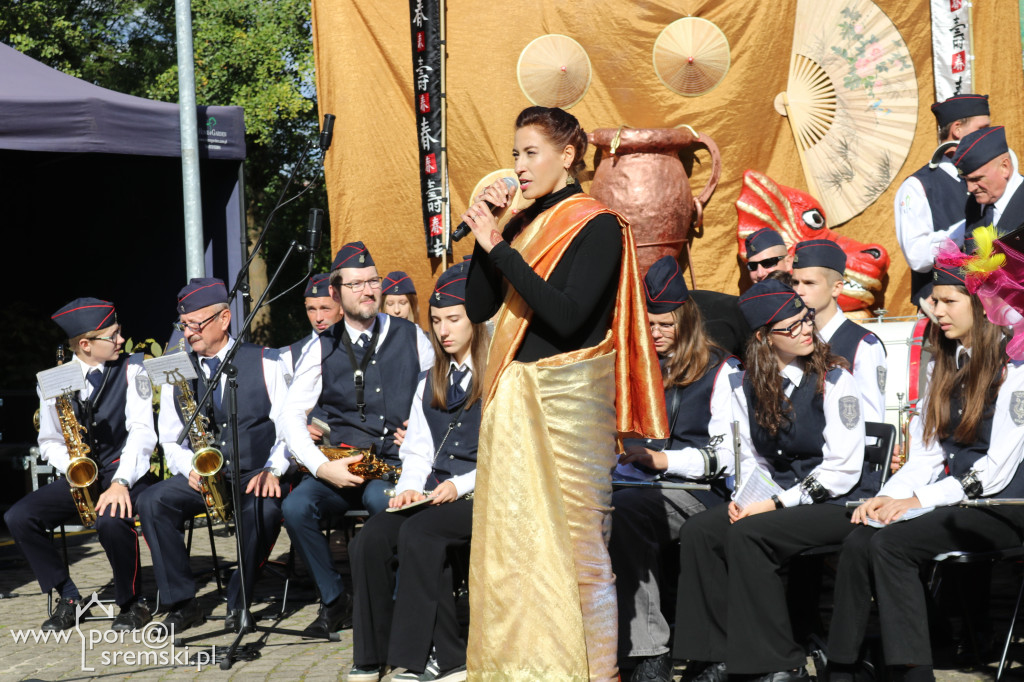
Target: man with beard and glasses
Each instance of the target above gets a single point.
(361, 379)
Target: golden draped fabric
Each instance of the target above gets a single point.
(542, 593)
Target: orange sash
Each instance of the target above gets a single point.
(639, 399)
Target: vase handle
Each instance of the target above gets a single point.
(716, 168)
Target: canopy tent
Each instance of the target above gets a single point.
(93, 186)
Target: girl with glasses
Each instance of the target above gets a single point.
(802, 443)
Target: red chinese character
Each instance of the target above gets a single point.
(424, 102)
(436, 226)
(959, 62)
(955, 5)
(421, 39)
(430, 163)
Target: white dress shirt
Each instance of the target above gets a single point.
(842, 453)
(419, 449)
(284, 357)
(179, 456)
(915, 231)
(304, 393)
(869, 359)
(138, 416)
(689, 462)
(924, 473)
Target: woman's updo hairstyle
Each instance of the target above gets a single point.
(561, 129)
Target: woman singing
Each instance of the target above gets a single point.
(802, 440)
(570, 365)
(972, 422)
(697, 376)
(415, 627)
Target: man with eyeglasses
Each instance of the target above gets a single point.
(362, 377)
(116, 409)
(205, 320)
(766, 252)
(818, 267)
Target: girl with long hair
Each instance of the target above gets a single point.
(697, 376)
(802, 452)
(415, 627)
(971, 423)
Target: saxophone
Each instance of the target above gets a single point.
(82, 470)
(369, 467)
(208, 461)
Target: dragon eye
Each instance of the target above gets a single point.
(814, 218)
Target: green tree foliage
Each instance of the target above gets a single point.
(257, 54)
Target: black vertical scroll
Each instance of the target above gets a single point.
(427, 52)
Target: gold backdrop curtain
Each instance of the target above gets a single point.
(364, 76)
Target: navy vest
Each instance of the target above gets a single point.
(690, 422)
(796, 450)
(390, 386)
(296, 349)
(256, 432)
(947, 199)
(458, 454)
(106, 432)
(846, 340)
(961, 456)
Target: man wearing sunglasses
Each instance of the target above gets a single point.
(818, 267)
(361, 377)
(205, 320)
(766, 253)
(115, 407)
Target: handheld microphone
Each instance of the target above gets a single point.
(313, 233)
(327, 133)
(463, 229)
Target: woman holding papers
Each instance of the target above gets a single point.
(698, 377)
(802, 450)
(415, 627)
(971, 421)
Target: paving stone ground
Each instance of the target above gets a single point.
(92, 653)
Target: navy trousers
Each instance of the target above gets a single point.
(33, 516)
(310, 507)
(164, 509)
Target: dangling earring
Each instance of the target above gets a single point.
(570, 180)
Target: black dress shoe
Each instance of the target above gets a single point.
(715, 672)
(798, 675)
(64, 616)
(331, 618)
(653, 669)
(132, 618)
(184, 617)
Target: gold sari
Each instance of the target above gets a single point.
(542, 593)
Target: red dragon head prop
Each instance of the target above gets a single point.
(798, 216)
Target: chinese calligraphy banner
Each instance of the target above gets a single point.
(951, 48)
(427, 52)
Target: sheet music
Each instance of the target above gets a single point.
(907, 515)
(758, 486)
(170, 368)
(57, 380)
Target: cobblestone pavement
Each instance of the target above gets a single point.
(94, 652)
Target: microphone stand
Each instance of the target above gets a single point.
(227, 368)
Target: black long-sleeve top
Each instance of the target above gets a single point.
(573, 308)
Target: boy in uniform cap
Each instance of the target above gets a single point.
(818, 267)
(205, 319)
(933, 198)
(984, 162)
(116, 409)
(322, 311)
(645, 522)
(766, 253)
(362, 377)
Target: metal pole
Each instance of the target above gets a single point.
(195, 265)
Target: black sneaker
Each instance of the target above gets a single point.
(715, 672)
(182, 618)
(132, 618)
(653, 669)
(797, 675)
(64, 616)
